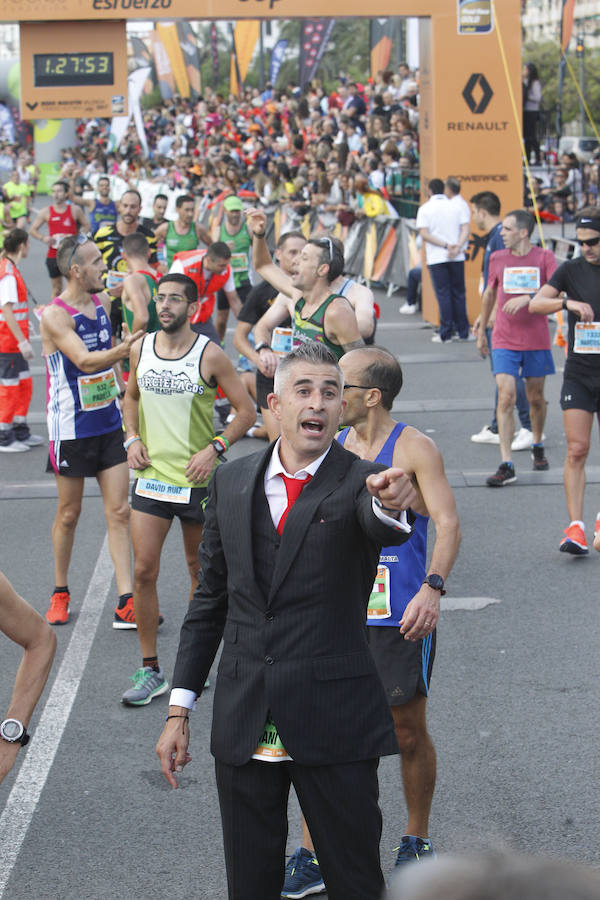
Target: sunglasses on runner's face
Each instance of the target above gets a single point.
(591, 242)
(81, 239)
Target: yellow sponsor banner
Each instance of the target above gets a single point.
(170, 40)
(246, 37)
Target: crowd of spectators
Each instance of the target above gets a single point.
(350, 153)
(564, 186)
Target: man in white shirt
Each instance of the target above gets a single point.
(441, 224)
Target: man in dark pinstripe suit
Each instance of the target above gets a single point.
(297, 697)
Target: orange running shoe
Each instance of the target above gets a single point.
(58, 614)
(574, 541)
(124, 619)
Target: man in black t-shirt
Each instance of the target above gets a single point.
(260, 298)
(575, 287)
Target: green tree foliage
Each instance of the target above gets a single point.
(546, 57)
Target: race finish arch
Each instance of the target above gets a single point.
(467, 125)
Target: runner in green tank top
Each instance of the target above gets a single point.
(139, 287)
(316, 313)
(312, 328)
(239, 243)
(168, 418)
(182, 234)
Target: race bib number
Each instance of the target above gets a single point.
(521, 280)
(281, 341)
(587, 337)
(97, 391)
(379, 601)
(270, 748)
(160, 490)
(239, 262)
(114, 279)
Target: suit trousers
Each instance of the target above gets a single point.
(448, 281)
(340, 804)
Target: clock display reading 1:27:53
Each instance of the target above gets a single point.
(72, 69)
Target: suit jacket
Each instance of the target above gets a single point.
(301, 651)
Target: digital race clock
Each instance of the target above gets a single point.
(72, 69)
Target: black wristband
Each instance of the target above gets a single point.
(262, 346)
(179, 716)
(258, 234)
(564, 303)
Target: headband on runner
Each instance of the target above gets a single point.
(588, 222)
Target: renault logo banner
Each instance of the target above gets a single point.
(477, 93)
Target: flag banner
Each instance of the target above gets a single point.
(385, 36)
(246, 38)
(120, 124)
(313, 40)
(234, 69)
(141, 55)
(277, 54)
(170, 39)
(164, 73)
(214, 49)
(188, 41)
(566, 23)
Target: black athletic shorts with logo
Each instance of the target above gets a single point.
(192, 512)
(404, 666)
(581, 394)
(85, 457)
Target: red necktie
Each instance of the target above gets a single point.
(293, 489)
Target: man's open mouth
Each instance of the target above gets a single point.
(315, 426)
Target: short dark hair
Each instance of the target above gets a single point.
(219, 250)
(384, 372)
(103, 178)
(135, 244)
(332, 253)
(132, 191)
(189, 286)
(63, 184)
(436, 186)
(487, 201)
(67, 251)
(183, 198)
(523, 219)
(283, 238)
(161, 197)
(14, 239)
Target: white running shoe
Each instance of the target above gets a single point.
(486, 436)
(522, 440)
(409, 309)
(14, 447)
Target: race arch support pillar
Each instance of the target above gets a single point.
(467, 124)
(50, 137)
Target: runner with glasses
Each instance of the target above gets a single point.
(575, 288)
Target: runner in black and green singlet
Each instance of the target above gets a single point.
(312, 327)
(317, 313)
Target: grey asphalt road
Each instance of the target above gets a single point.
(514, 703)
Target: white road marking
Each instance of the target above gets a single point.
(25, 794)
(470, 603)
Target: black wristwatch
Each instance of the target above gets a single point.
(564, 303)
(261, 346)
(14, 732)
(436, 583)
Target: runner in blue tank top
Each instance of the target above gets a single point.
(403, 607)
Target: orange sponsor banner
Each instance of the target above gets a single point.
(246, 37)
(167, 32)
